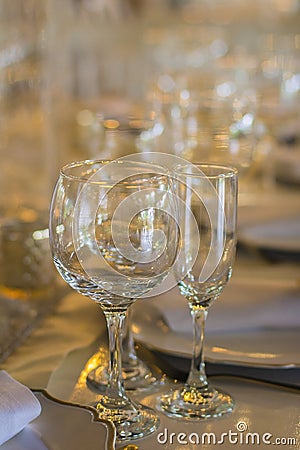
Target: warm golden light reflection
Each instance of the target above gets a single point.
(99, 358)
(81, 394)
(221, 141)
(28, 215)
(15, 293)
(131, 447)
(226, 351)
(111, 124)
(193, 397)
(136, 329)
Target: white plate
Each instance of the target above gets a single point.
(280, 235)
(259, 348)
(63, 426)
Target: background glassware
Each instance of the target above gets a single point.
(113, 280)
(278, 88)
(226, 46)
(212, 120)
(199, 187)
(97, 66)
(27, 282)
(26, 163)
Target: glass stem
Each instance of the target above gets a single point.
(115, 388)
(197, 376)
(129, 357)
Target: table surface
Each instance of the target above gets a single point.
(55, 355)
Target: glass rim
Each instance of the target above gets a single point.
(161, 170)
(224, 170)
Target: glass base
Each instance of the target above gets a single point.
(196, 403)
(136, 377)
(132, 420)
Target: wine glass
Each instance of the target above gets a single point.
(120, 134)
(208, 236)
(114, 238)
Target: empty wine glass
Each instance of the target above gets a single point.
(114, 238)
(209, 193)
(116, 135)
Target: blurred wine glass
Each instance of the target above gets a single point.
(215, 122)
(278, 86)
(27, 162)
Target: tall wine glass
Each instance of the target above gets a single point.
(114, 238)
(208, 235)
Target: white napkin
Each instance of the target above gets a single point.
(18, 406)
(245, 304)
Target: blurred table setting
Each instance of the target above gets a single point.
(215, 82)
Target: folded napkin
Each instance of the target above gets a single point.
(18, 406)
(245, 304)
